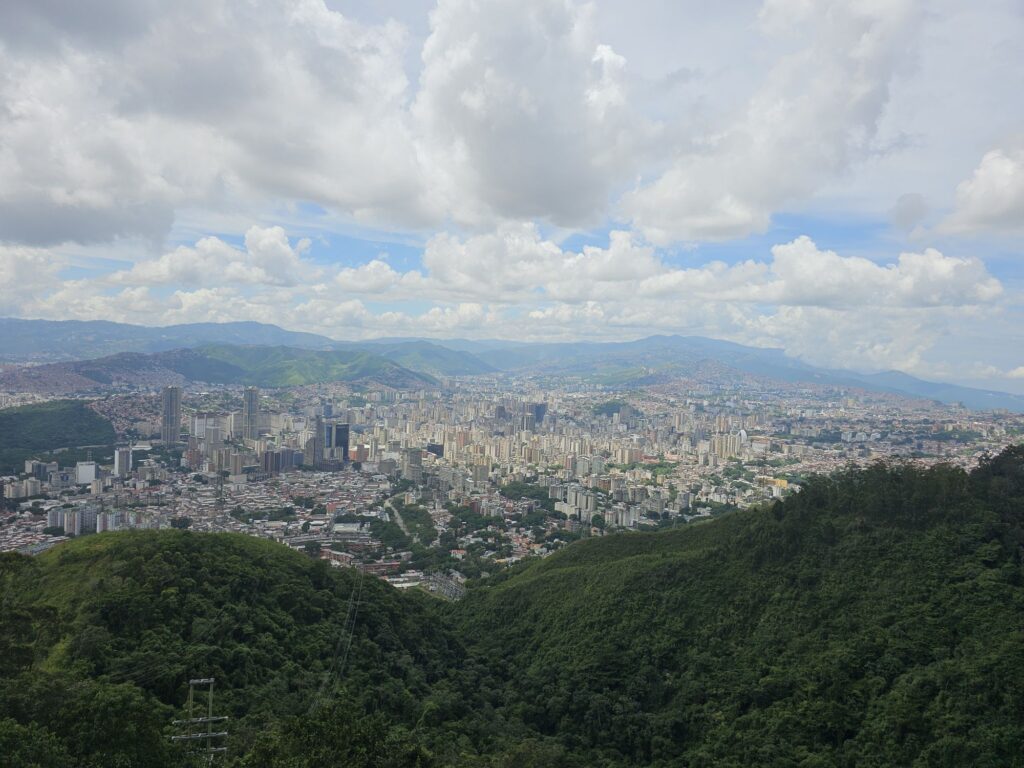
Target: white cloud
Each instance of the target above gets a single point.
(375, 276)
(830, 309)
(515, 264)
(489, 132)
(24, 273)
(523, 112)
(213, 104)
(801, 274)
(267, 259)
(816, 113)
(120, 121)
(993, 197)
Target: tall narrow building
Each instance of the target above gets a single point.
(170, 422)
(251, 414)
(123, 461)
(314, 453)
(336, 440)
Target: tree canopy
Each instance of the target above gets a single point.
(873, 619)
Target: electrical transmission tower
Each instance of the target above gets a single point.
(198, 729)
(220, 492)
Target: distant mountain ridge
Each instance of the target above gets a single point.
(655, 359)
(663, 354)
(56, 340)
(73, 340)
(217, 364)
(425, 356)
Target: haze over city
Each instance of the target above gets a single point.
(844, 181)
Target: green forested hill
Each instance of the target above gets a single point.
(99, 638)
(875, 619)
(286, 366)
(215, 364)
(45, 426)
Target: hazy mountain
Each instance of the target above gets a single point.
(425, 356)
(223, 364)
(459, 345)
(54, 340)
(871, 620)
(645, 358)
(981, 399)
(655, 359)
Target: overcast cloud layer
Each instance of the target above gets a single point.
(844, 180)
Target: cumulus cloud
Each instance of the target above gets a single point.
(375, 276)
(24, 273)
(117, 121)
(516, 264)
(490, 133)
(992, 199)
(801, 274)
(199, 104)
(821, 305)
(816, 113)
(523, 112)
(267, 259)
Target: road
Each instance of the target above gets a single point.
(398, 518)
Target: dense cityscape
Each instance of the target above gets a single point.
(430, 487)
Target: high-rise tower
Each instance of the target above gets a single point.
(336, 440)
(122, 461)
(170, 421)
(251, 414)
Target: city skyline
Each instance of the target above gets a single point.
(839, 180)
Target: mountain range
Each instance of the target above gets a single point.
(215, 364)
(655, 359)
(56, 340)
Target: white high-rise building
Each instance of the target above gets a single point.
(123, 461)
(85, 472)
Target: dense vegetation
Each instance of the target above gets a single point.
(287, 366)
(31, 430)
(432, 358)
(218, 364)
(874, 619)
(98, 639)
(519, 490)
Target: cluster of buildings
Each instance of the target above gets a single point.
(534, 462)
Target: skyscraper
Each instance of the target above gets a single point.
(122, 460)
(314, 453)
(170, 424)
(251, 414)
(336, 440)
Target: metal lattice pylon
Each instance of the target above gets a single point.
(199, 729)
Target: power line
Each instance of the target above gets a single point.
(355, 597)
(204, 724)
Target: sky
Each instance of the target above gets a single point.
(842, 180)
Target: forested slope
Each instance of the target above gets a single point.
(30, 429)
(875, 619)
(100, 636)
